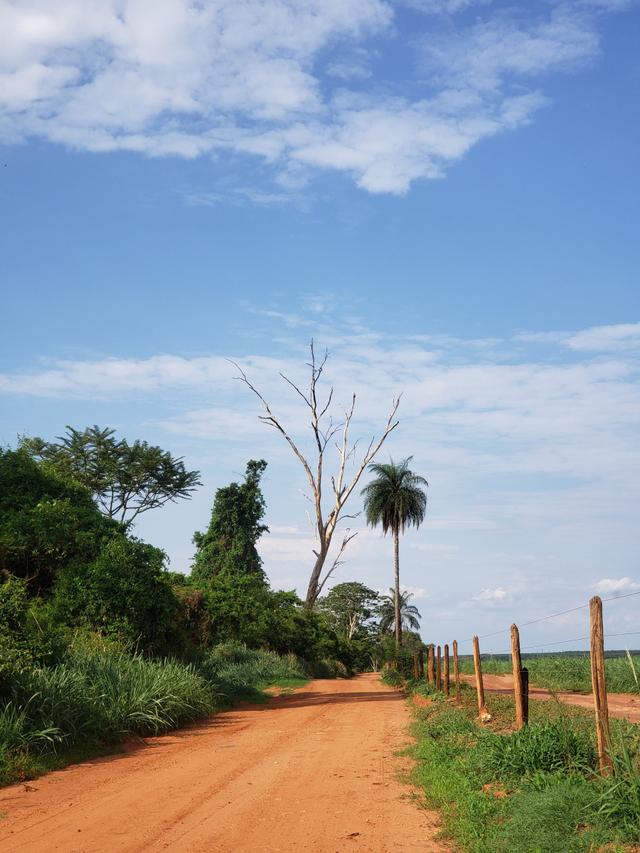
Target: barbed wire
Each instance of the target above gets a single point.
(553, 616)
(557, 643)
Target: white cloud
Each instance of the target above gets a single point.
(497, 594)
(619, 337)
(613, 586)
(171, 77)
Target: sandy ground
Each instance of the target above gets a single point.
(312, 771)
(623, 705)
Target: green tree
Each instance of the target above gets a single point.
(124, 479)
(396, 500)
(409, 614)
(349, 606)
(124, 592)
(47, 521)
(229, 544)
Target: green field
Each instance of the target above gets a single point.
(570, 671)
(533, 791)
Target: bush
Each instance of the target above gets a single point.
(236, 670)
(125, 593)
(549, 747)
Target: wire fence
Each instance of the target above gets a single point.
(549, 616)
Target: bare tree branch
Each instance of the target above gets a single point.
(323, 433)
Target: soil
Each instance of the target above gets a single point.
(623, 705)
(314, 770)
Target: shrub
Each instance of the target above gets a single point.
(125, 592)
(548, 747)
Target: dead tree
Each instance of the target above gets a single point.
(325, 429)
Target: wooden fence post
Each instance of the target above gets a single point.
(599, 684)
(439, 670)
(446, 669)
(431, 670)
(482, 708)
(522, 705)
(456, 671)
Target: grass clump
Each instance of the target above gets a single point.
(532, 791)
(99, 695)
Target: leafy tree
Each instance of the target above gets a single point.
(395, 499)
(124, 479)
(125, 592)
(46, 521)
(349, 606)
(409, 614)
(229, 544)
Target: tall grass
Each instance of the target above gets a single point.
(532, 791)
(101, 694)
(564, 672)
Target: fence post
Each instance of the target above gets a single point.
(446, 669)
(415, 665)
(431, 670)
(482, 708)
(456, 671)
(522, 704)
(599, 685)
(439, 670)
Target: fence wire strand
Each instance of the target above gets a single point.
(553, 616)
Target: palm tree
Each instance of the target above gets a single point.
(409, 613)
(395, 499)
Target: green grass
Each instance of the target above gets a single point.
(533, 791)
(100, 695)
(567, 672)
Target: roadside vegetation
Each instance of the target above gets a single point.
(537, 790)
(570, 672)
(100, 642)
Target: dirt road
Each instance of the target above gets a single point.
(623, 705)
(312, 771)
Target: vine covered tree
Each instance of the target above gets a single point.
(326, 432)
(229, 544)
(409, 613)
(124, 479)
(395, 499)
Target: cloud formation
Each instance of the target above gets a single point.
(289, 82)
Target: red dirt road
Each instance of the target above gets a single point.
(312, 771)
(623, 705)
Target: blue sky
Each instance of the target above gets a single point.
(445, 194)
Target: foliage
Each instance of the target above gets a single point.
(409, 613)
(229, 544)
(532, 791)
(47, 522)
(395, 499)
(544, 746)
(124, 592)
(238, 670)
(124, 479)
(100, 694)
(350, 607)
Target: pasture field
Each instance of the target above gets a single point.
(570, 672)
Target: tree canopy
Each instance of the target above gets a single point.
(229, 544)
(349, 607)
(395, 499)
(124, 479)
